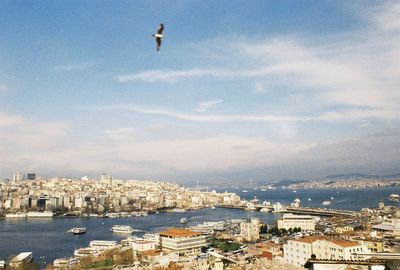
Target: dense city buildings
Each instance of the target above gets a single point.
(300, 238)
(107, 195)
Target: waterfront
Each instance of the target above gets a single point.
(49, 237)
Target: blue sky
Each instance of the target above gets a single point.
(240, 89)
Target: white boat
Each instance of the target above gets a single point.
(309, 199)
(394, 198)
(244, 191)
(21, 258)
(65, 263)
(78, 230)
(178, 210)
(265, 210)
(103, 244)
(83, 252)
(183, 220)
(122, 229)
(212, 207)
(16, 215)
(326, 202)
(35, 214)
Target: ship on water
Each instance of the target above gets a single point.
(394, 198)
(78, 230)
(183, 220)
(122, 229)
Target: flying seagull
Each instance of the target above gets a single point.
(158, 35)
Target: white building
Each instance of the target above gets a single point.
(18, 177)
(183, 241)
(250, 230)
(305, 223)
(139, 244)
(298, 251)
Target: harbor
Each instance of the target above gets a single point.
(20, 235)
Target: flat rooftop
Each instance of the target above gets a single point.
(178, 232)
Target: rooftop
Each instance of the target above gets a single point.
(177, 232)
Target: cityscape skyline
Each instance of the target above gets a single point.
(261, 90)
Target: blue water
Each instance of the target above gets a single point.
(48, 237)
(353, 199)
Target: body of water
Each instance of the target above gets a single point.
(49, 237)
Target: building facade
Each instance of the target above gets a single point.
(305, 223)
(184, 241)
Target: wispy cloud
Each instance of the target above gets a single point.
(169, 76)
(329, 116)
(361, 69)
(74, 66)
(206, 105)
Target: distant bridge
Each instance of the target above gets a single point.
(299, 210)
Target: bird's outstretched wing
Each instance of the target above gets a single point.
(160, 29)
(158, 41)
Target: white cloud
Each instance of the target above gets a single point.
(348, 115)
(200, 118)
(74, 66)
(206, 105)
(386, 16)
(160, 75)
(356, 70)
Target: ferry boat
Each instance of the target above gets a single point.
(394, 198)
(122, 229)
(78, 230)
(24, 257)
